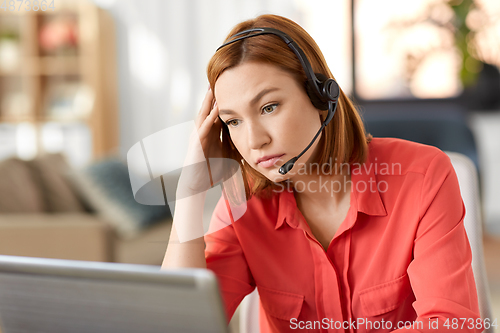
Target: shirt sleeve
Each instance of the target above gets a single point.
(226, 259)
(441, 273)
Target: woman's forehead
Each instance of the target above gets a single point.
(250, 78)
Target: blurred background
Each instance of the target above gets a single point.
(82, 81)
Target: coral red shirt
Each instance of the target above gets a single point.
(400, 256)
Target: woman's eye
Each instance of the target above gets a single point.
(266, 110)
(269, 108)
(232, 122)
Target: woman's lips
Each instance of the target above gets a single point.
(270, 162)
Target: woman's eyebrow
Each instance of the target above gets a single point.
(253, 101)
(261, 94)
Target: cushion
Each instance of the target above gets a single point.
(50, 171)
(19, 191)
(105, 186)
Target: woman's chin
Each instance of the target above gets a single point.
(272, 173)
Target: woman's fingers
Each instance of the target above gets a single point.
(208, 125)
(206, 106)
(209, 121)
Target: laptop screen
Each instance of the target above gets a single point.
(51, 295)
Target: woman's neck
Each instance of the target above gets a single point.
(321, 188)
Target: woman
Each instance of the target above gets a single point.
(360, 235)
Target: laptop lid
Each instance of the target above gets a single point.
(56, 296)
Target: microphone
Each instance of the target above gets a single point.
(285, 168)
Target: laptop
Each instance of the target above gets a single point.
(69, 296)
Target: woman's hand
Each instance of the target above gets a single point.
(209, 126)
(195, 179)
(204, 144)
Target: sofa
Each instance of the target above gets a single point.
(48, 209)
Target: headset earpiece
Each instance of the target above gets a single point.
(316, 100)
(320, 93)
(330, 90)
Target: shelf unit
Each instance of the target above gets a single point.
(58, 70)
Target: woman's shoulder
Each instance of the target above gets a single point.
(411, 156)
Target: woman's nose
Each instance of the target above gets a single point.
(258, 136)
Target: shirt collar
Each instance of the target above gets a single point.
(366, 187)
(365, 195)
(287, 206)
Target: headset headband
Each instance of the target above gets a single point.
(311, 77)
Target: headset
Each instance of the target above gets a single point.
(322, 91)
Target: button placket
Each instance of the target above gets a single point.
(328, 287)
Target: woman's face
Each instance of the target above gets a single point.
(269, 115)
